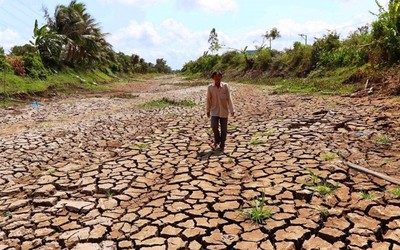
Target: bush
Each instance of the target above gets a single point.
(34, 66)
(262, 59)
(3, 62)
(17, 65)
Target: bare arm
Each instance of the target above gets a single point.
(208, 102)
(230, 103)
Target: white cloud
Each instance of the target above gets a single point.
(210, 5)
(142, 3)
(145, 33)
(9, 38)
(170, 40)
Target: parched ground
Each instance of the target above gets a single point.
(100, 172)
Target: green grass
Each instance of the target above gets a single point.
(65, 82)
(255, 141)
(383, 139)
(328, 156)
(166, 102)
(257, 213)
(269, 132)
(51, 171)
(395, 192)
(109, 194)
(322, 82)
(396, 99)
(325, 188)
(140, 146)
(319, 185)
(366, 195)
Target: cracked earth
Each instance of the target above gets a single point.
(101, 172)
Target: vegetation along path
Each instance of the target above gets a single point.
(119, 171)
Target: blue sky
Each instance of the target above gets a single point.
(178, 30)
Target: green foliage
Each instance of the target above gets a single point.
(385, 32)
(257, 213)
(22, 50)
(34, 66)
(203, 65)
(262, 59)
(166, 102)
(319, 185)
(329, 156)
(213, 41)
(366, 195)
(3, 62)
(383, 139)
(395, 192)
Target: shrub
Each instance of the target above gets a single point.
(34, 66)
(17, 65)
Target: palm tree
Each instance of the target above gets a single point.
(272, 35)
(83, 40)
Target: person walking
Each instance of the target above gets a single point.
(219, 105)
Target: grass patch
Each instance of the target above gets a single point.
(383, 139)
(255, 141)
(319, 185)
(329, 156)
(395, 192)
(319, 81)
(269, 132)
(257, 212)
(366, 195)
(166, 102)
(396, 99)
(140, 146)
(51, 171)
(109, 194)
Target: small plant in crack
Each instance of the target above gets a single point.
(395, 192)
(383, 139)
(328, 156)
(51, 171)
(257, 212)
(316, 183)
(366, 195)
(255, 141)
(323, 211)
(140, 146)
(109, 193)
(269, 132)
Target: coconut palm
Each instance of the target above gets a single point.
(83, 40)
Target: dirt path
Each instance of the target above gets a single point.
(99, 172)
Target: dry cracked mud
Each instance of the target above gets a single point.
(100, 172)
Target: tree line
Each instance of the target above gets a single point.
(71, 38)
(376, 45)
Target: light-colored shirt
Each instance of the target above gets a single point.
(219, 102)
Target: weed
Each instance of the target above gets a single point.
(325, 188)
(109, 194)
(51, 171)
(328, 156)
(395, 192)
(255, 141)
(321, 186)
(257, 213)
(232, 127)
(323, 211)
(383, 139)
(268, 133)
(366, 195)
(166, 102)
(140, 146)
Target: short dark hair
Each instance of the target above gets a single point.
(216, 72)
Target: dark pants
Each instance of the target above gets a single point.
(219, 137)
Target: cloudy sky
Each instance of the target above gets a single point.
(178, 30)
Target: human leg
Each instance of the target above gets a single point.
(224, 131)
(214, 127)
